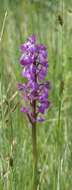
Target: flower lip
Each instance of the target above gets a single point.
(26, 59)
(44, 105)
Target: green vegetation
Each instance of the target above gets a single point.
(51, 22)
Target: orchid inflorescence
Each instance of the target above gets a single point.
(35, 89)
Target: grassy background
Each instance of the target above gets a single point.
(51, 22)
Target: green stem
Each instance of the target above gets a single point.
(34, 144)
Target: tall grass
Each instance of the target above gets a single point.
(51, 21)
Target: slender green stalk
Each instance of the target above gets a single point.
(59, 135)
(3, 25)
(34, 144)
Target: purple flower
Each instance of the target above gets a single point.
(24, 110)
(29, 46)
(44, 105)
(40, 119)
(32, 39)
(41, 47)
(20, 87)
(35, 90)
(29, 72)
(42, 73)
(26, 59)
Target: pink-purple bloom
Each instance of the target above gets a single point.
(34, 91)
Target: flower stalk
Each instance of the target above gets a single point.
(34, 144)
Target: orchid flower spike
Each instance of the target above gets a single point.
(33, 61)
